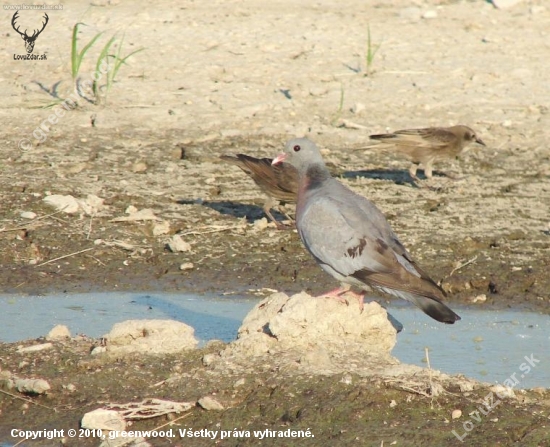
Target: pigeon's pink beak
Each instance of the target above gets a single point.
(279, 159)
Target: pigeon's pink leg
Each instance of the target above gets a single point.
(337, 294)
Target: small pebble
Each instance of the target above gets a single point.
(456, 414)
(28, 215)
(431, 14)
(177, 245)
(209, 403)
(187, 266)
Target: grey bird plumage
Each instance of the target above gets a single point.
(425, 146)
(279, 183)
(352, 240)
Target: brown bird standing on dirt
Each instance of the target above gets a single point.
(424, 146)
(278, 182)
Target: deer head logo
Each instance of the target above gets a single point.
(29, 40)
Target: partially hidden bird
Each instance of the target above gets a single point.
(350, 238)
(425, 146)
(278, 182)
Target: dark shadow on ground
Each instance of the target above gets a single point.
(235, 209)
(398, 177)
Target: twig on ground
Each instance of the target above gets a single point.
(30, 222)
(66, 256)
(213, 229)
(15, 396)
(462, 265)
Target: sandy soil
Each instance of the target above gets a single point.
(245, 76)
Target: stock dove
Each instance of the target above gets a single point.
(352, 240)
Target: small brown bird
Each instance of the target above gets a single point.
(278, 182)
(424, 146)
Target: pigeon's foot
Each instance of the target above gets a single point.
(338, 293)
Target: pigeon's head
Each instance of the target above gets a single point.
(469, 135)
(300, 153)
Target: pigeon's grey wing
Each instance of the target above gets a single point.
(334, 239)
(354, 238)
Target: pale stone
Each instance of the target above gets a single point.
(210, 404)
(177, 245)
(313, 334)
(34, 348)
(32, 386)
(505, 4)
(161, 228)
(150, 336)
(67, 204)
(430, 14)
(28, 215)
(59, 332)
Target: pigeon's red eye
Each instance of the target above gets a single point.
(297, 148)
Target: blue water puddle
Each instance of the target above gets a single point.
(487, 345)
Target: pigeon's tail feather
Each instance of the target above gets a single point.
(430, 306)
(436, 309)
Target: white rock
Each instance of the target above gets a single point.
(34, 348)
(177, 245)
(466, 385)
(28, 215)
(208, 359)
(98, 350)
(161, 228)
(102, 419)
(131, 209)
(187, 266)
(393, 404)
(59, 332)
(357, 108)
(456, 414)
(239, 382)
(67, 204)
(505, 4)
(430, 14)
(91, 205)
(151, 337)
(32, 386)
(261, 224)
(313, 333)
(209, 403)
(139, 167)
(503, 392)
(480, 298)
